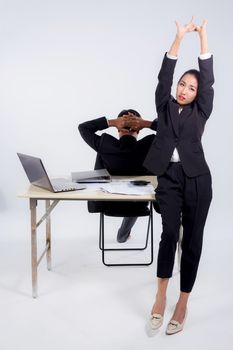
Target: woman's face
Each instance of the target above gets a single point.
(186, 90)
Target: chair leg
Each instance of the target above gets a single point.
(120, 249)
(149, 230)
(100, 231)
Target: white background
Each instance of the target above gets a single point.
(64, 62)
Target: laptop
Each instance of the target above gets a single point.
(99, 175)
(38, 176)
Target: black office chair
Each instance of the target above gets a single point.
(147, 212)
(122, 209)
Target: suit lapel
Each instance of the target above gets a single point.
(178, 119)
(184, 115)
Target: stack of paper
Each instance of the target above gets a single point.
(125, 187)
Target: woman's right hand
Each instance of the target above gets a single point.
(182, 30)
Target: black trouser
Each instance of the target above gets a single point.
(186, 201)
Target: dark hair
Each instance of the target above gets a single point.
(127, 111)
(194, 72)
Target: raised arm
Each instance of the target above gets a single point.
(205, 90)
(88, 131)
(165, 77)
(180, 33)
(203, 37)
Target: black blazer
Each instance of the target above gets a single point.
(124, 156)
(183, 131)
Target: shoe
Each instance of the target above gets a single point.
(156, 321)
(174, 327)
(123, 239)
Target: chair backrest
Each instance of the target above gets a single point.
(99, 164)
(127, 209)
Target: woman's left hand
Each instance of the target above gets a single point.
(202, 29)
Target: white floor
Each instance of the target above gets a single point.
(84, 305)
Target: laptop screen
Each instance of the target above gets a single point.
(35, 171)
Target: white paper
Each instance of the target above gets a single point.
(125, 187)
(120, 187)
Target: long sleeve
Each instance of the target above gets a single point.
(88, 131)
(205, 90)
(165, 77)
(154, 124)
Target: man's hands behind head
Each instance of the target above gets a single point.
(131, 122)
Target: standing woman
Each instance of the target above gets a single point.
(184, 189)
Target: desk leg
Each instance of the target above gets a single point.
(48, 236)
(33, 205)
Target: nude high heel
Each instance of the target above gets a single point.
(156, 321)
(174, 327)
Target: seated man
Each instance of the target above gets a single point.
(123, 156)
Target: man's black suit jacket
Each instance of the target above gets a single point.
(183, 131)
(124, 156)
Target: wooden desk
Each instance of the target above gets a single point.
(35, 194)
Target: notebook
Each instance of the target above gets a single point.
(38, 176)
(100, 175)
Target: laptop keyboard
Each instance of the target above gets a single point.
(64, 187)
